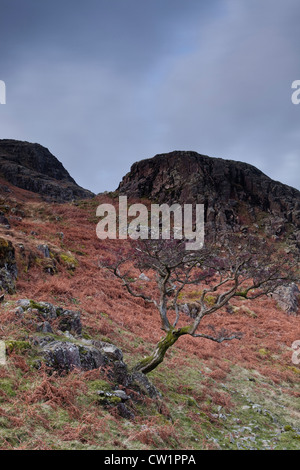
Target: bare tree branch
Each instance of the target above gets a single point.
(238, 268)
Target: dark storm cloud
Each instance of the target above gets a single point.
(234, 102)
(105, 83)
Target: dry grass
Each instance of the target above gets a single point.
(42, 411)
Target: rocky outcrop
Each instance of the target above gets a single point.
(32, 167)
(4, 221)
(233, 193)
(46, 313)
(60, 346)
(8, 266)
(69, 355)
(288, 298)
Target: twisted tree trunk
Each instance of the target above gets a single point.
(149, 363)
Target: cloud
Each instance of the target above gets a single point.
(103, 84)
(232, 96)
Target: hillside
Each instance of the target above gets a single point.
(32, 167)
(63, 308)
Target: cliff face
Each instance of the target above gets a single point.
(32, 167)
(233, 192)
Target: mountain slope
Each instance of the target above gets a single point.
(32, 167)
(236, 395)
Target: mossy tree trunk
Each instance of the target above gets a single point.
(149, 363)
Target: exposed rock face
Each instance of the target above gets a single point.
(8, 267)
(225, 187)
(288, 298)
(66, 356)
(32, 167)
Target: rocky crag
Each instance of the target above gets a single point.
(32, 167)
(235, 194)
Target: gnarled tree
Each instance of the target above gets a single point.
(238, 267)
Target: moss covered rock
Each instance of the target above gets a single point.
(68, 320)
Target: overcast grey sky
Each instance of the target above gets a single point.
(105, 83)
